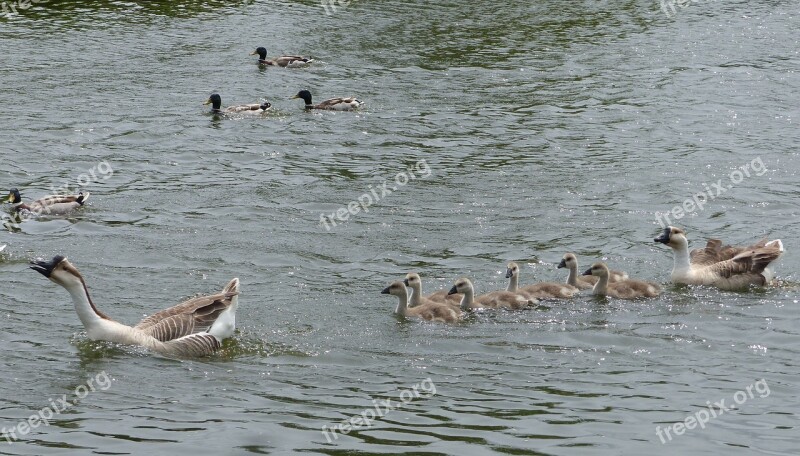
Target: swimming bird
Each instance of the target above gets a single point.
(585, 282)
(291, 61)
(414, 282)
(195, 327)
(491, 300)
(727, 268)
(431, 311)
(624, 289)
(541, 290)
(216, 106)
(48, 205)
(334, 104)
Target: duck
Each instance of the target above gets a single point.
(623, 289)
(582, 282)
(290, 61)
(333, 104)
(48, 205)
(541, 290)
(430, 311)
(725, 267)
(193, 328)
(492, 300)
(414, 282)
(216, 106)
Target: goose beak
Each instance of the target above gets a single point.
(588, 272)
(664, 238)
(563, 264)
(405, 281)
(385, 291)
(452, 291)
(509, 273)
(45, 268)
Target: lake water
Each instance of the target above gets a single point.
(525, 130)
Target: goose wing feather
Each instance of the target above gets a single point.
(192, 345)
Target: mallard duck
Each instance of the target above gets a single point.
(291, 61)
(49, 205)
(623, 289)
(335, 104)
(541, 290)
(431, 311)
(727, 268)
(196, 327)
(216, 106)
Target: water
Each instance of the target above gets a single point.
(547, 127)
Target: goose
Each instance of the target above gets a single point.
(216, 106)
(334, 104)
(193, 328)
(581, 282)
(48, 205)
(542, 290)
(492, 300)
(624, 289)
(727, 268)
(291, 61)
(430, 311)
(414, 282)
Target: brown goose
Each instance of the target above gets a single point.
(48, 205)
(727, 268)
(624, 289)
(492, 300)
(432, 311)
(414, 282)
(582, 282)
(193, 328)
(541, 290)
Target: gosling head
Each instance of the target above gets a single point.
(568, 261)
(512, 270)
(59, 270)
(597, 269)
(463, 285)
(396, 288)
(673, 237)
(261, 52)
(412, 280)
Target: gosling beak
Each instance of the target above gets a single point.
(563, 264)
(664, 238)
(385, 291)
(452, 291)
(588, 272)
(509, 273)
(405, 282)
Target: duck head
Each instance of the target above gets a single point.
(305, 95)
(215, 101)
(13, 197)
(261, 52)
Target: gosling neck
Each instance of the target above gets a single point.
(513, 283)
(572, 278)
(402, 305)
(601, 287)
(416, 292)
(466, 300)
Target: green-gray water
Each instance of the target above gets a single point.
(547, 127)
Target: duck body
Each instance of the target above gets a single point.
(430, 311)
(48, 205)
(725, 267)
(284, 61)
(195, 327)
(542, 290)
(623, 289)
(332, 104)
(582, 282)
(254, 108)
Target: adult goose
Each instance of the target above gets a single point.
(725, 267)
(414, 282)
(624, 289)
(541, 290)
(196, 327)
(492, 300)
(582, 282)
(431, 311)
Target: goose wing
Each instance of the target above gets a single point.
(193, 345)
(747, 262)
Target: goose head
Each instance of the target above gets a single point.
(597, 269)
(512, 270)
(305, 95)
(462, 285)
(396, 288)
(215, 101)
(673, 237)
(13, 197)
(568, 261)
(261, 52)
(60, 271)
(413, 280)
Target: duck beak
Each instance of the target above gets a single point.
(509, 273)
(9, 198)
(563, 264)
(292, 98)
(452, 291)
(385, 291)
(254, 53)
(664, 238)
(208, 102)
(45, 268)
(588, 272)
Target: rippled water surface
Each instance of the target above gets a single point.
(544, 127)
